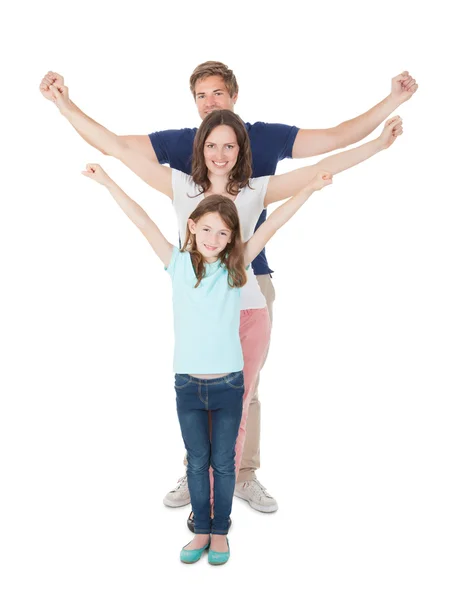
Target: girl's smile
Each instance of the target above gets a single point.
(212, 235)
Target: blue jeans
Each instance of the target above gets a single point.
(223, 399)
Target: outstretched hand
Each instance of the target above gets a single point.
(96, 173)
(403, 87)
(321, 180)
(391, 131)
(51, 78)
(52, 87)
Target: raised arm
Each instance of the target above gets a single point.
(139, 143)
(288, 184)
(282, 215)
(136, 214)
(311, 142)
(129, 149)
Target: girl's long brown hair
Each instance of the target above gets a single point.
(232, 257)
(241, 172)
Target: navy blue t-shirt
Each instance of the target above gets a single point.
(270, 143)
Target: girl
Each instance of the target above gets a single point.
(222, 165)
(207, 275)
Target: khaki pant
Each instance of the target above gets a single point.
(251, 448)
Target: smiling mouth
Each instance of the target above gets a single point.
(210, 248)
(219, 164)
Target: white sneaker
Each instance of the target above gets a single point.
(256, 495)
(180, 495)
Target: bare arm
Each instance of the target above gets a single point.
(282, 215)
(283, 186)
(311, 142)
(131, 150)
(136, 214)
(138, 143)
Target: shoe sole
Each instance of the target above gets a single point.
(258, 507)
(189, 562)
(172, 504)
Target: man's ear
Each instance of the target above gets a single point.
(234, 98)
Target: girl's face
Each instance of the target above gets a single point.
(212, 235)
(221, 150)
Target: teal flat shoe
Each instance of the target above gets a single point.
(219, 558)
(192, 556)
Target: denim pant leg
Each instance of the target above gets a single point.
(193, 417)
(225, 403)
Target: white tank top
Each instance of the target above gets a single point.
(249, 204)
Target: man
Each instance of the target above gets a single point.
(214, 87)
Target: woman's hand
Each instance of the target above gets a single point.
(392, 130)
(96, 173)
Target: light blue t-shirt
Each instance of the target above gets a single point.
(206, 319)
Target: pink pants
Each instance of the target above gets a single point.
(254, 337)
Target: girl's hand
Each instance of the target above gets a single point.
(96, 173)
(321, 180)
(392, 130)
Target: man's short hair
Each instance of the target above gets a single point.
(212, 67)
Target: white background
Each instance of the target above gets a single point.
(359, 393)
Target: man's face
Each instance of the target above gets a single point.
(211, 94)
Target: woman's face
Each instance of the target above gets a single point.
(221, 150)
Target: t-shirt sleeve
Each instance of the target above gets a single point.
(259, 186)
(182, 185)
(282, 138)
(173, 261)
(174, 147)
(161, 142)
(183, 189)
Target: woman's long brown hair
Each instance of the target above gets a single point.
(241, 172)
(232, 257)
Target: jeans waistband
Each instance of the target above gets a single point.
(213, 380)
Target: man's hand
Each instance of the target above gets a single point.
(321, 180)
(403, 87)
(391, 131)
(60, 96)
(52, 87)
(96, 173)
(49, 79)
